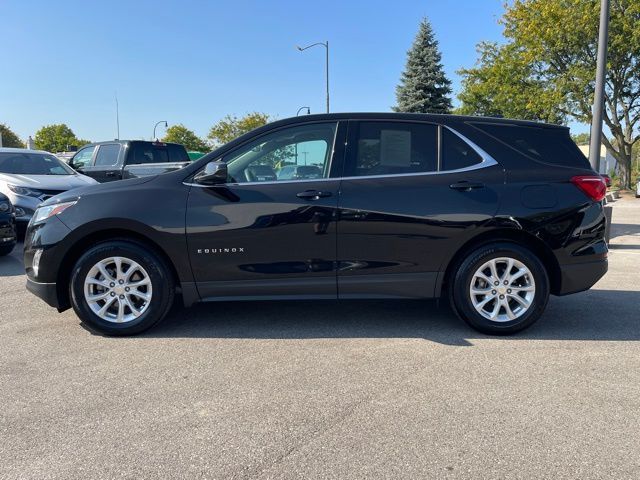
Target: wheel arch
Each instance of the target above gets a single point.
(81, 245)
(520, 237)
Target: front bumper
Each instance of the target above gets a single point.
(46, 291)
(581, 276)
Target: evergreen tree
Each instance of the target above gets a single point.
(423, 87)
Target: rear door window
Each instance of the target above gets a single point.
(392, 148)
(547, 145)
(107, 155)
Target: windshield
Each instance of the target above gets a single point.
(27, 163)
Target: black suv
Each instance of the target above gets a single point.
(495, 214)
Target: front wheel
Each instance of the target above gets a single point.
(500, 288)
(121, 288)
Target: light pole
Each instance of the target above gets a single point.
(598, 99)
(302, 108)
(117, 119)
(154, 127)
(326, 46)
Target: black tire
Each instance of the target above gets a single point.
(6, 250)
(460, 296)
(162, 283)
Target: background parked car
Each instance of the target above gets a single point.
(120, 159)
(297, 172)
(28, 177)
(7, 226)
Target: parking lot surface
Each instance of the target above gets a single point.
(359, 389)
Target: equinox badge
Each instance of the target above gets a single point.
(221, 250)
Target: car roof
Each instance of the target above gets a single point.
(22, 150)
(424, 117)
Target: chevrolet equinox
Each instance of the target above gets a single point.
(493, 214)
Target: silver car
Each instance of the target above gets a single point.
(28, 177)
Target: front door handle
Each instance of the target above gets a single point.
(110, 174)
(313, 195)
(465, 186)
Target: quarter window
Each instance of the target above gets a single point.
(296, 153)
(456, 153)
(395, 148)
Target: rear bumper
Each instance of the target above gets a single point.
(46, 291)
(581, 276)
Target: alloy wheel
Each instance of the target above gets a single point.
(118, 290)
(502, 289)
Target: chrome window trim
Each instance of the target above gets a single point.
(487, 161)
(486, 158)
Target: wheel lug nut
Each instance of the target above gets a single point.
(501, 297)
(126, 289)
(113, 294)
(122, 281)
(121, 297)
(493, 292)
(506, 283)
(508, 290)
(497, 283)
(112, 284)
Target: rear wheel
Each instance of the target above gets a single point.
(500, 288)
(121, 288)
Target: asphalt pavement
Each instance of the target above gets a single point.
(358, 389)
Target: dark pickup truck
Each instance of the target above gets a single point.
(120, 159)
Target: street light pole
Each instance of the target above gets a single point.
(303, 108)
(117, 119)
(326, 65)
(598, 99)
(154, 127)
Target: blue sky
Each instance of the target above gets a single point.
(193, 62)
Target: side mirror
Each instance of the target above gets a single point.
(214, 173)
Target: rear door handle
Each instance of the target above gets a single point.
(313, 195)
(465, 186)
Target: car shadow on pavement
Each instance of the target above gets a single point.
(605, 315)
(11, 265)
(622, 229)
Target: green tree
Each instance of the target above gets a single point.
(231, 127)
(181, 134)
(57, 138)
(424, 88)
(546, 69)
(581, 138)
(9, 138)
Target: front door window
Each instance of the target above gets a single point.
(297, 153)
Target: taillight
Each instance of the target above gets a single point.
(593, 185)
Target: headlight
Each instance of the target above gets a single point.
(4, 207)
(42, 213)
(29, 192)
